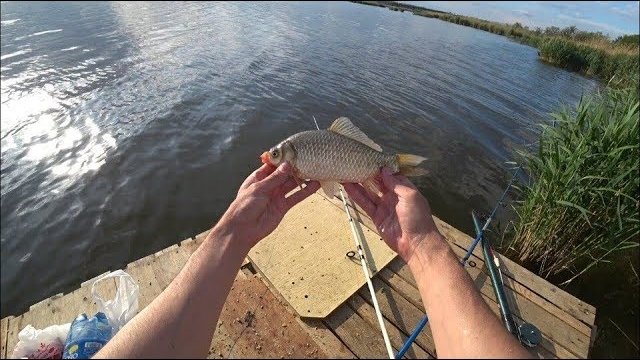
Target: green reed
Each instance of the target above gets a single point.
(598, 58)
(581, 204)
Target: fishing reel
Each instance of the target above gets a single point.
(529, 335)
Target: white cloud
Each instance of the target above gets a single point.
(595, 25)
(522, 12)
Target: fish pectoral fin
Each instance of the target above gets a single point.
(345, 127)
(373, 185)
(331, 188)
(298, 181)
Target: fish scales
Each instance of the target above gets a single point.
(325, 155)
(343, 153)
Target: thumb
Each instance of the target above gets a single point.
(276, 178)
(398, 184)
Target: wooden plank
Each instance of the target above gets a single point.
(399, 267)
(404, 288)
(396, 337)
(330, 344)
(198, 239)
(254, 324)
(400, 312)
(547, 349)
(57, 310)
(565, 301)
(325, 339)
(528, 280)
(356, 333)
(149, 287)
(305, 260)
(4, 329)
(168, 264)
(13, 328)
(554, 328)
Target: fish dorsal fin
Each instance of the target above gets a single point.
(345, 127)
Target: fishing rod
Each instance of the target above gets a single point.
(365, 269)
(463, 261)
(492, 264)
(526, 333)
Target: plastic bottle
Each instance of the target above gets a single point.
(87, 336)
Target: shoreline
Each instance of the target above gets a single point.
(590, 58)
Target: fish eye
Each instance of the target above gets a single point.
(275, 153)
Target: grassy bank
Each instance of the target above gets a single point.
(591, 53)
(582, 204)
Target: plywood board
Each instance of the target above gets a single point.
(305, 260)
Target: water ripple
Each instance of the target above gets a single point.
(127, 126)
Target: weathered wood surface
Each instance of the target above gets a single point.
(253, 322)
(257, 321)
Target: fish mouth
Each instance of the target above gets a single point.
(265, 158)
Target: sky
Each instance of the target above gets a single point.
(610, 17)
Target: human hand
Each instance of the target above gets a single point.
(261, 203)
(401, 215)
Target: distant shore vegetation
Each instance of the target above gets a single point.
(590, 53)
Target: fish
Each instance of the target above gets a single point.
(342, 153)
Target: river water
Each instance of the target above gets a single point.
(127, 127)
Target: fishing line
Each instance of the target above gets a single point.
(365, 269)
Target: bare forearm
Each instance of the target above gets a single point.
(461, 322)
(181, 321)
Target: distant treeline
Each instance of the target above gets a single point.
(592, 53)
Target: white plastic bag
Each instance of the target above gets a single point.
(124, 306)
(41, 344)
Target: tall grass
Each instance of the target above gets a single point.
(595, 59)
(582, 203)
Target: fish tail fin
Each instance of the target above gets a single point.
(408, 165)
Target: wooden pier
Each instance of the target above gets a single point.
(257, 321)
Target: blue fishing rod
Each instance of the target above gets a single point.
(466, 257)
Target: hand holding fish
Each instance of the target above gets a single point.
(261, 202)
(345, 154)
(402, 215)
